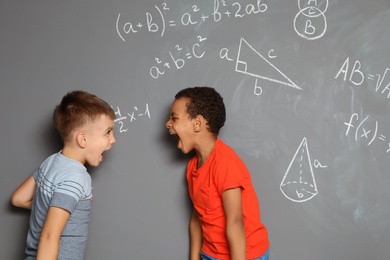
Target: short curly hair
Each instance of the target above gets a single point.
(207, 102)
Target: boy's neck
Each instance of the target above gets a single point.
(72, 153)
(205, 148)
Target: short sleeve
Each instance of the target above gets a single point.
(229, 175)
(63, 201)
(35, 175)
(70, 191)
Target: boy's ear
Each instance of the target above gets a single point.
(199, 123)
(81, 139)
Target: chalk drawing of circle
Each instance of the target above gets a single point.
(313, 21)
(325, 7)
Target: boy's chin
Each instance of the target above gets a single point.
(185, 151)
(94, 164)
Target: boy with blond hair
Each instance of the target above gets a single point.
(59, 193)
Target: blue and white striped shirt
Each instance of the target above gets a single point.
(65, 183)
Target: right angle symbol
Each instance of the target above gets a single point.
(298, 183)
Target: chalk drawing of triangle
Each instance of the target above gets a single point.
(261, 67)
(298, 183)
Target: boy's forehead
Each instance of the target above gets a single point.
(102, 120)
(180, 104)
(178, 108)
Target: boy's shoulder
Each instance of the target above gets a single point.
(57, 164)
(224, 149)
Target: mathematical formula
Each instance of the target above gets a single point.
(357, 77)
(130, 116)
(158, 21)
(176, 61)
(364, 129)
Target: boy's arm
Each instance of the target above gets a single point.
(235, 230)
(195, 236)
(49, 243)
(24, 194)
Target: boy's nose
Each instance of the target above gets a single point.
(168, 124)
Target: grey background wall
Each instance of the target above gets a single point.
(306, 85)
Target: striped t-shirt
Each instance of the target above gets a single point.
(65, 183)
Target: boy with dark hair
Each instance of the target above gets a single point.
(59, 193)
(225, 223)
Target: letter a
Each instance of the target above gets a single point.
(343, 69)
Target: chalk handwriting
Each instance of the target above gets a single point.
(175, 60)
(310, 22)
(317, 164)
(158, 21)
(363, 128)
(298, 183)
(129, 117)
(357, 77)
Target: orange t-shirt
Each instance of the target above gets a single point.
(225, 170)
